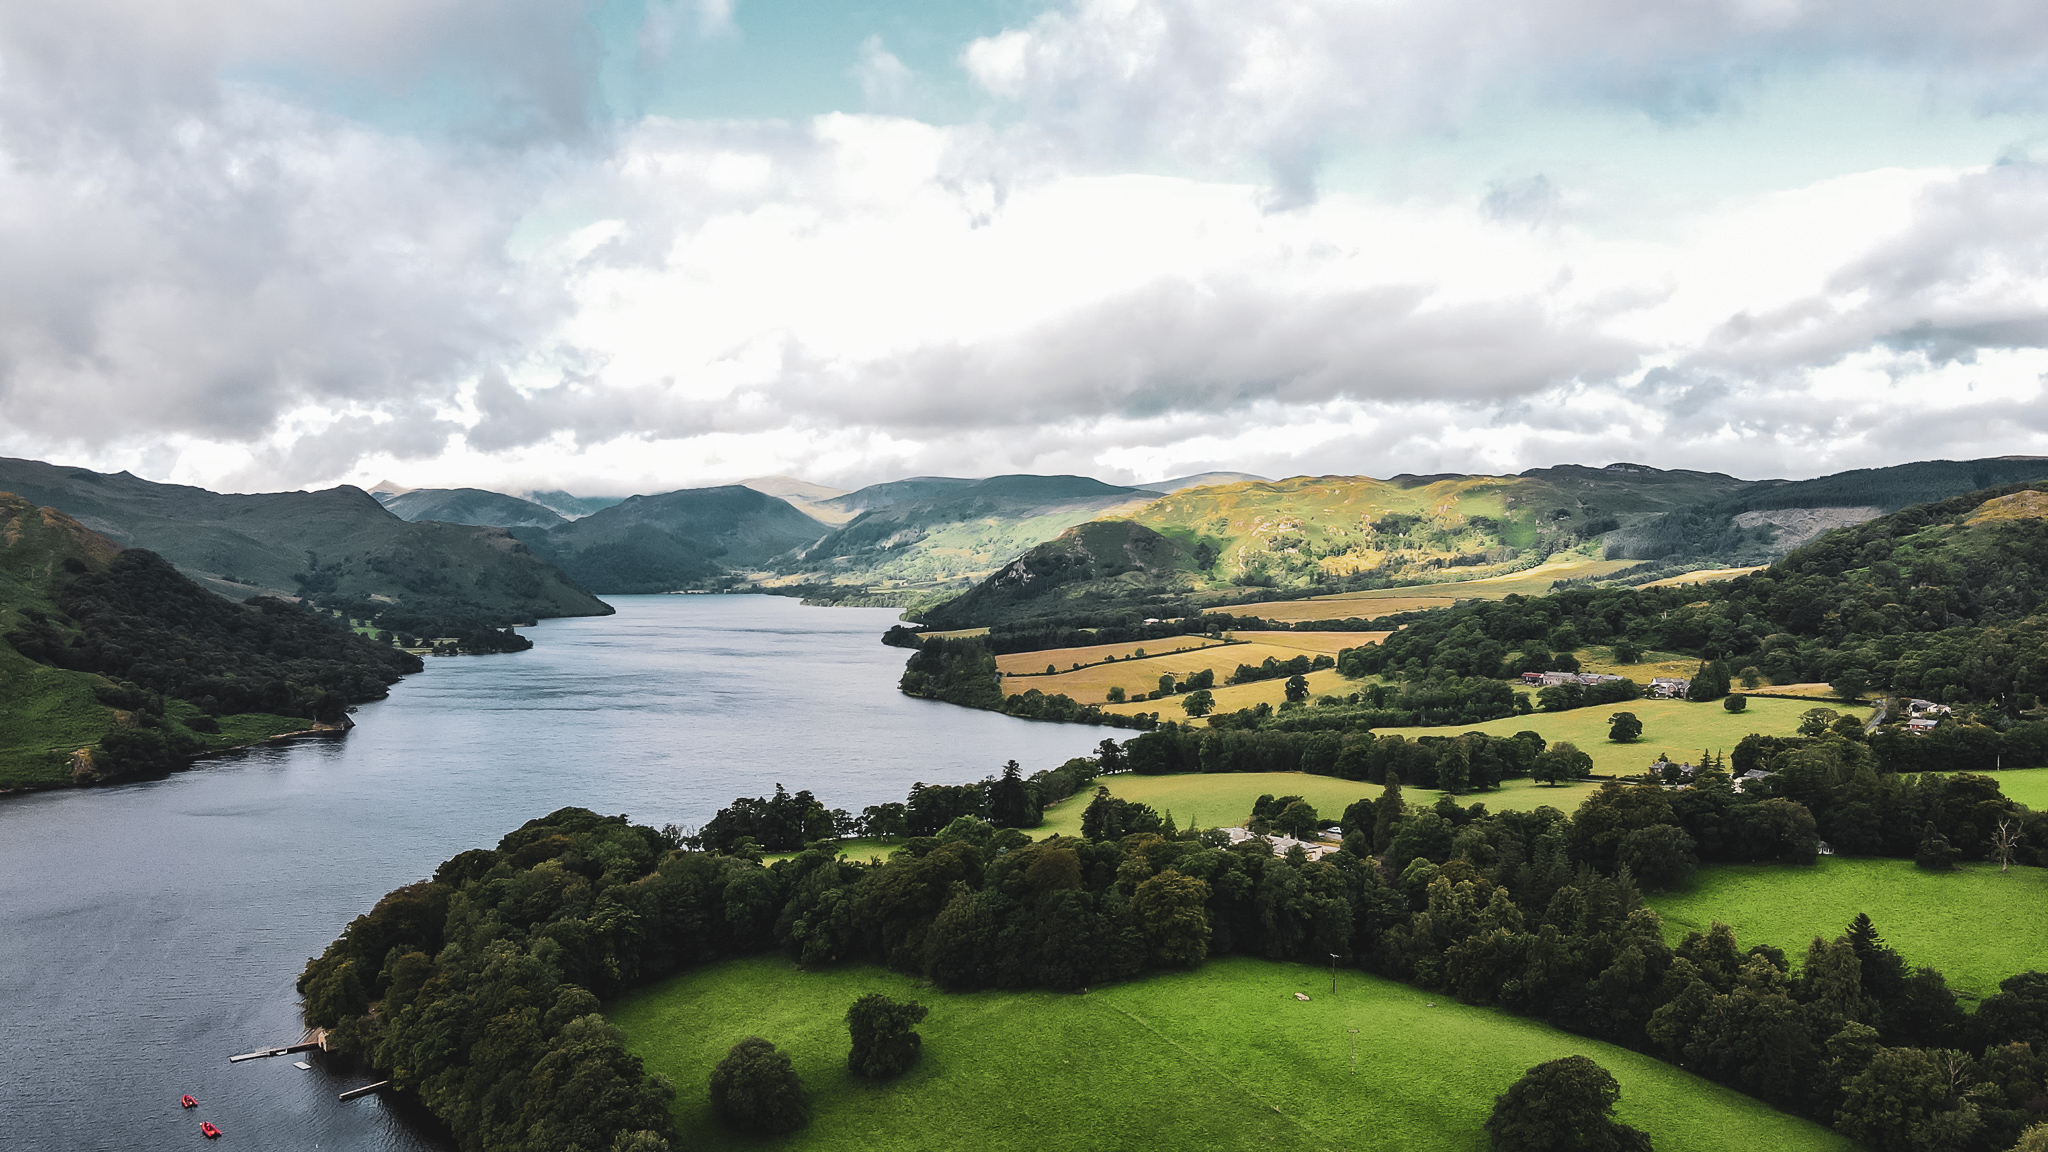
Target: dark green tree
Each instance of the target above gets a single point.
(1735, 702)
(1200, 702)
(1009, 802)
(1623, 727)
(1563, 1105)
(883, 1041)
(1297, 687)
(1935, 853)
(756, 1089)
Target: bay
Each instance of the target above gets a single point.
(149, 930)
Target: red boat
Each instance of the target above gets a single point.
(187, 1101)
(209, 1131)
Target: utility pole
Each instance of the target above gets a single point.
(1333, 973)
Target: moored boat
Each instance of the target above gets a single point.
(186, 1101)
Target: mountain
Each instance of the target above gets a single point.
(338, 546)
(112, 661)
(1763, 520)
(1198, 480)
(1338, 533)
(802, 495)
(572, 507)
(472, 506)
(932, 529)
(694, 538)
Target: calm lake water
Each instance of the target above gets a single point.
(150, 930)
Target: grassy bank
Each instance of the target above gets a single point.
(1226, 798)
(1977, 925)
(1222, 1058)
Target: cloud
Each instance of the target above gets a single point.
(1209, 81)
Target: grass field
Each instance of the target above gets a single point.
(1223, 1058)
(2029, 786)
(1388, 601)
(45, 714)
(1977, 925)
(1705, 576)
(1231, 697)
(1650, 666)
(1034, 662)
(1090, 685)
(1672, 726)
(1313, 643)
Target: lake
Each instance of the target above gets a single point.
(149, 930)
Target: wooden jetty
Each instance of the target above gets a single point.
(315, 1038)
(365, 1090)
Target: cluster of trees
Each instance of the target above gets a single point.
(1273, 669)
(962, 670)
(786, 822)
(756, 1089)
(477, 989)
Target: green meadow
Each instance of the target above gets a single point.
(1221, 1058)
(1976, 925)
(1678, 727)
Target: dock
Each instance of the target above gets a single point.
(314, 1039)
(365, 1090)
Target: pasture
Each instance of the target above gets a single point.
(1231, 697)
(1705, 576)
(1091, 684)
(1221, 1058)
(1224, 799)
(1976, 925)
(1676, 727)
(1033, 663)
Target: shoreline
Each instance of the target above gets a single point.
(316, 729)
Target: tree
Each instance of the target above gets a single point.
(1563, 1105)
(1736, 702)
(2005, 840)
(1935, 853)
(1388, 812)
(1298, 820)
(1560, 762)
(1624, 728)
(1297, 687)
(1199, 703)
(1627, 652)
(1173, 910)
(756, 1089)
(1815, 721)
(1850, 684)
(1116, 694)
(1166, 684)
(1662, 856)
(1009, 802)
(883, 1043)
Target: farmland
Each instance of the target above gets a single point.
(1976, 925)
(1091, 684)
(1224, 1057)
(1674, 726)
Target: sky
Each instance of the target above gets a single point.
(622, 246)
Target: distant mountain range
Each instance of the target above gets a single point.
(926, 539)
(339, 543)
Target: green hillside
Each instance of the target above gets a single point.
(339, 547)
(112, 661)
(693, 538)
(1248, 542)
(937, 530)
(471, 506)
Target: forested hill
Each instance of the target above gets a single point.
(113, 661)
(1942, 600)
(693, 538)
(1244, 542)
(338, 547)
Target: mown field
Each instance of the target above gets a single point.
(1225, 799)
(1090, 685)
(1388, 601)
(1218, 1059)
(1024, 663)
(1677, 727)
(1976, 925)
(1705, 576)
(1231, 697)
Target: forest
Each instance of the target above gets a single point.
(480, 989)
